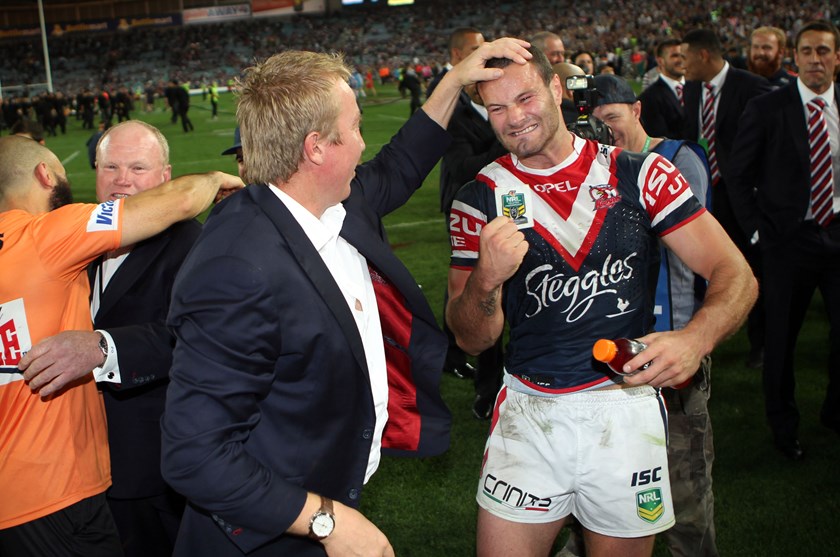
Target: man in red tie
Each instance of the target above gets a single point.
(784, 191)
(715, 96)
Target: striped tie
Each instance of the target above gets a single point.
(708, 131)
(822, 174)
(680, 94)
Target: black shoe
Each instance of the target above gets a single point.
(755, 360)
(483, 407)
(465, 371)
(791, 449)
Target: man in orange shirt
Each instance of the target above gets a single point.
(53, 448)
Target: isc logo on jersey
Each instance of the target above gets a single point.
(104, 218)
(14, 338)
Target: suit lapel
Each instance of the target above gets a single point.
(132, 269)
(313, 266)
(379, 254)
(795, 115)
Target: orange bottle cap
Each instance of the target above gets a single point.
(604, 350)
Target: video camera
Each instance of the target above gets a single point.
(586, 99)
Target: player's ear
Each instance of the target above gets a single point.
(44, 175)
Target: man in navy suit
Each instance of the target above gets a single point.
(304, 346)
(732, 88)
(772, 197)
(131, 288)
(662, 102)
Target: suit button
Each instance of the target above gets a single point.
(354, 494)
(367, 434)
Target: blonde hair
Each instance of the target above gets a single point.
(776, 32)
(281, 101)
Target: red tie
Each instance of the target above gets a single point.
(680, 94)
(708, 131)
(822, 174)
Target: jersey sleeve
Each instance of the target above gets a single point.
(69, 238)
(666, 195)
(467, 218)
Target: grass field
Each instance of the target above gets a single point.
(765, 505)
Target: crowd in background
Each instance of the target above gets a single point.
(381, 41)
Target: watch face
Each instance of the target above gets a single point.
(322, 525)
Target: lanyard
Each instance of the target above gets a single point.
(647, 145)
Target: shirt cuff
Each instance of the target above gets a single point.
(109, 372)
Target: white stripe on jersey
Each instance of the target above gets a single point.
(571, 232)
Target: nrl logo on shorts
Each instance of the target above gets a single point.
(513, 206)
(649, 504)
(604, 196)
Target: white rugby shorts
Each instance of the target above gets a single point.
(599, 455)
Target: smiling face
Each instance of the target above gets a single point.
(623, 119)
(817, 58)
(672, 62)
(129, 160)
(525, 113)
(765, 54)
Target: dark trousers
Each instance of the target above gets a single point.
(148, 526)
(185, 120)
(793, 269)
(84, 529)
(722, 211)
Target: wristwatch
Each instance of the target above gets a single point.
(103, 345)
(322, 522)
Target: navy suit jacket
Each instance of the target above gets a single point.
(771, 176)
(739, 87)
(133, 310)
(270, 392)
(662, 114)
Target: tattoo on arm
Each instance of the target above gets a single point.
(488, 304)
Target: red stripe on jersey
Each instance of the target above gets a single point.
(562, 391)
(464, 230)
(683, 223)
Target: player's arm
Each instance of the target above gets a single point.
(732, 290)
(474, 312)
(154, 210)
(441, 104)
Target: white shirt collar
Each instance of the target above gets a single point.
(720, 78)
(808, 95)
(319, 231)
(482, 110)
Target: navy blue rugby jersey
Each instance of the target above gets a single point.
(592, 224)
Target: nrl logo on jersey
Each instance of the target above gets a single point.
(513, 206)
(604, 196)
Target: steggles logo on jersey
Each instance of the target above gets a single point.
(604, 196)
(513, 206)
(649, 505)
(547, 286)
(511, 496)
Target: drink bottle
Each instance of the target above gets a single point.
(616, 353)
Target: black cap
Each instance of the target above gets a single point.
(613, 89)
(237, 143)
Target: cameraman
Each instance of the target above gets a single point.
(679, 294)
